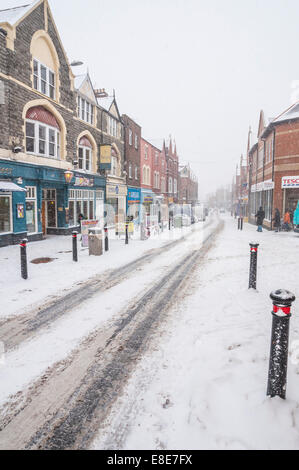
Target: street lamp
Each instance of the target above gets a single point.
(68, 175)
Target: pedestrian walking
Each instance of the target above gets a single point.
(260, 215)
(276, 220)
(286, 221)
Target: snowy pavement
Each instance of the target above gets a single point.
(202, 384)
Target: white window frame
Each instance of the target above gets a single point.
(84, 149)
(85, 110)
(79, 195)
(136, 141)
(112, 126)
(9, 195)
(130, 137)
(36, 139)
(47, 81)
(130, 170)
(31, 196)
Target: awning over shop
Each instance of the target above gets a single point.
(8, 186)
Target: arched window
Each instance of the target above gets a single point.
(85, 154)
(42, 133)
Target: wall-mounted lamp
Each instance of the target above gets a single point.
(68, 176)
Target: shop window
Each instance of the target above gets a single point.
(85, 154)
(5, 214)
(81, 202)
(42, 133)
(43, 79)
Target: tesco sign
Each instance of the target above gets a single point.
(290, 182)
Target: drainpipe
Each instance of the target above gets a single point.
(273, 158)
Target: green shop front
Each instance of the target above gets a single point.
(38, 201)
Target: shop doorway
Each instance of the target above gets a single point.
(49, 212)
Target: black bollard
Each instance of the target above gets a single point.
(278, 364)
(239, 220)
(241, 224)
(23, 250)
(106, 238)
(253, 265)
(75, 249)
(127, 235)
(169, 223)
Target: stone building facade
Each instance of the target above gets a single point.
(52, 130)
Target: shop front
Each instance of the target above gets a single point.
(262, 196)
(290, 189)
(150, 211)
(45, 200)
(133, 203)
(116, 197)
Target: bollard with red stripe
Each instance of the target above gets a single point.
(278, 364)
(106, 238)
(75, 248)
(253, 265)
(23, 250)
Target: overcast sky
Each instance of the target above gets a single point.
(200, 71)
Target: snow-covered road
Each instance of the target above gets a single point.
(38, 377)
(202, 384)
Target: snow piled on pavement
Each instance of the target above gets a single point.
(203, 383)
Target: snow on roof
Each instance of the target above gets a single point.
(78, 80)
(105, 102)
(289, 114)
(13, 15)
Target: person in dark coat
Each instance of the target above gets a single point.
(260, 215)
(276, 220)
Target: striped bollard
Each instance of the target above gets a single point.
(106, 238)
(278, 364)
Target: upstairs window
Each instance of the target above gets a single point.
(170, 190)
(130, 137)
(85, 110)
(112, 126)
(130, 170)
(43, 79)
(136, 172)
(85, 154)
(42, 133)
(136, 142)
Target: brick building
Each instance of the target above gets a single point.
(188, 186)
(172, 162)
(274, 165)
(132, 164)
(51, 131)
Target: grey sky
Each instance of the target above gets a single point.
(200, 71)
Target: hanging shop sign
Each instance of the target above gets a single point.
(105, 157)
(290, 182)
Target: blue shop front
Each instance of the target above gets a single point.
(134, 203)
(44, 201)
